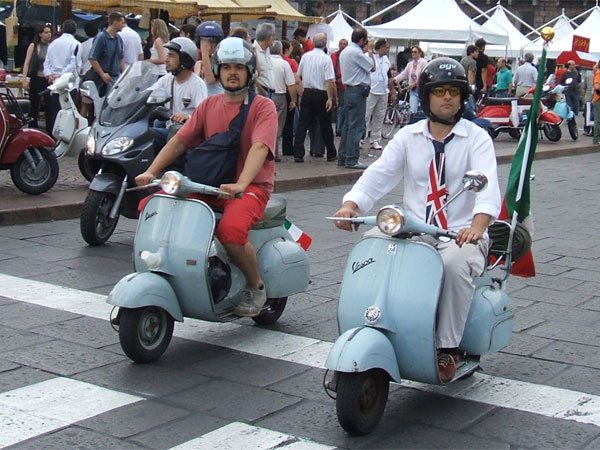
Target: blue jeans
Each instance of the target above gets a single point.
(352, 130)
(414, 101)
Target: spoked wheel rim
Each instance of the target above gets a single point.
(152, 328)
(38, 175)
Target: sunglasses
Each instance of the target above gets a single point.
(415, 51)
(440, 91)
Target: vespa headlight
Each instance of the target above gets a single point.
(91, 144)
(390, 220)
(170, 182)
(117, 145)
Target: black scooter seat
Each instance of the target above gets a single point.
(22, 103)
(507, 100)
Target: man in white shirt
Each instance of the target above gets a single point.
(132, 45)
(284, 80)
(265, 35)
(525, 76)
(409, 156)
(61, 58)
(187, 89)
(320, 96)
(378, 97)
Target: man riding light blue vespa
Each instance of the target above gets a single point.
(431, 156)
(234, 65)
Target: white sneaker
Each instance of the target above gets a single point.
(376, 145)
(251, 300)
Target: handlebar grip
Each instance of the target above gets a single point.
(239, 195)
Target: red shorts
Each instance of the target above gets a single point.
(239, 214)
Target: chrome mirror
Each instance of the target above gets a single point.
(475, 181)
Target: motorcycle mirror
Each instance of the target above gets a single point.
(158, 97)
(475, 181)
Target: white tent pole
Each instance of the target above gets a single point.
(348, 16)
(383, 11)
(481, 13)
(585, 12)
(486, 12)
(518, 19)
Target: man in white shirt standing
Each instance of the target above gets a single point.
(284, 80)
(318, 80)
(132, 45)
(411, 155)
(525, 76)
(61, 58)
(265, 35)
(378, 97)
(187, 89)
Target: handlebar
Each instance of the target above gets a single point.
(189, 187)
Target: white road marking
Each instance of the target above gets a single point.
(52, 404)
(530, 397)
(238, 435)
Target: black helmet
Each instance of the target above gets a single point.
(188, 52)
(236, 51)
(439, 72)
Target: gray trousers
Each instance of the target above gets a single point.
(282, 108)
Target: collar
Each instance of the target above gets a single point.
(422, 127)
(276, 56)
(354, 44)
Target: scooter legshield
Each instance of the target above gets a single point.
(361, 349)
(140, 289)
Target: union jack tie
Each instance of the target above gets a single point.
(437, 193)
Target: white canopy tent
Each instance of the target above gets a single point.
(590, 28)
(431, 19)
(336, 29)
(498, 22)
(562, 27)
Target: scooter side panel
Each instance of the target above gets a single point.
(23, 139)
(139, 289)
(361, 349)
(403, 279)
(181, 231)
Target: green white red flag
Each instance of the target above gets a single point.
(517, 199)
(301, 238)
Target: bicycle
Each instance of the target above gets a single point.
(398, 115)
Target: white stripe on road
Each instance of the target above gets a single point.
(238, 435)
(42, 407)
(530, 397)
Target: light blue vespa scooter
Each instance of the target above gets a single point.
(387, 314)
(182, 270)
(564, 111)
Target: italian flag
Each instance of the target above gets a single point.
(301, 238)
(517, 200)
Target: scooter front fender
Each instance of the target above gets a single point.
(550, 117)
(140, 289)
(24, 139)
(363, 348)
(106, 182)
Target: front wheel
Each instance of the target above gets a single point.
(96, 225)
(35, 171)
(145, 333)
(391, 116)
(361, 399)
(514, 133)
(271, 312)
(552, 132)
(573, 131)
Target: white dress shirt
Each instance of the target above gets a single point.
(61, 57)
(379, 78)
(315, 67)
(525, 75)
(282, 74)
(408, 156)
(82, 56)
(265, 79)
(356, 65)
(132, 45)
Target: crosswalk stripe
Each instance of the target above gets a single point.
(39, 408)
(238, 435)
(502, 392)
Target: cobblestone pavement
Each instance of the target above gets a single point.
(64, 380)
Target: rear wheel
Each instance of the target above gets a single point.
(35, 171)
(96, 226)
(389, 128)
(271, 312)
(361, 399)
(573, 131)
(514, 133)
(552, 132)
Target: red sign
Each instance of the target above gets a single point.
(581, 44)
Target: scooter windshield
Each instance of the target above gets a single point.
(128, 94)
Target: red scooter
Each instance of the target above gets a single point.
(509, 115)
(27, 152)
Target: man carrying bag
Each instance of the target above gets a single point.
(234, 65)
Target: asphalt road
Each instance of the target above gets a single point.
(64, 381)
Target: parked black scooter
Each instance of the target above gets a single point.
(121, 144)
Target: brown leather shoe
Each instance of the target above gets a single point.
(446, 366)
